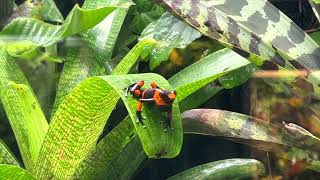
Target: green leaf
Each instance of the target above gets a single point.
(316, 37)
(116, 156)
(169, 33)
(6, 156)
(81, 118)
(130, 59)
(199, 97)
(103, 36)
(111, 162)
(224, 169)
(24, 113)
(93, 50)
(10, 172)
(79, 65)
(43, 34)
(238, 76)
(26, 119)
(205, 71)
(50, 11)
(287, 140)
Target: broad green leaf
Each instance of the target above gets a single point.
(169, 33)
(199, 97)
(316, 37)
(287, 140)
(109, 161)
(116, 155)
(238, 76)
(205, 71)
(43, 34)
(81, 118)
(224, 169)
(24, 113)
(27, 120)
(6, 156)
(10, 172)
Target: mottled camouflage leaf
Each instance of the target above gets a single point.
(224, 169)
(283, 139)
(257, 30)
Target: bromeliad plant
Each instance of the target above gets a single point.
(68, 146)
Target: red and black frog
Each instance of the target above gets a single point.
(163, 99)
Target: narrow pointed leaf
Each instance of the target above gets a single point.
(10, 172)
(131, 58)
(43, 34)
(257, 30)
(80, 65)
(6, 156)
(315, 4)
(224, 169)
(24, 113)
(91, 58)
(103, 36)
(81, 118)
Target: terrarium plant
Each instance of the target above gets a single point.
(103, 48)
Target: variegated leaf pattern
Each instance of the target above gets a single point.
(258, 31)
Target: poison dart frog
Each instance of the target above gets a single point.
(163, 99)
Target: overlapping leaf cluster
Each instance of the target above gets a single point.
(91, 84)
